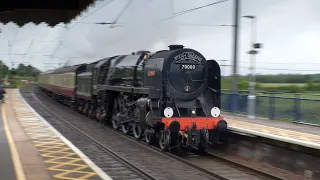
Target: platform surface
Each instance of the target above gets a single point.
(300, 134)
(6, 163)
(39, 151)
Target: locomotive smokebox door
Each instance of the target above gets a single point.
(152, 76)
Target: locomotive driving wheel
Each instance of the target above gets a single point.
(137, 131)
(149, 136)
(137, 127)
(115, 122)
(125, 128)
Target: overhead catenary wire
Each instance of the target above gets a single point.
(121, 13)
(190, 10)
(60, 42)
(193, 24)
(74, 23)
(29, 47)
(91, 13)
(200, 7)
(127, 5)
(176, 24)
(19, 40)
(112, 23)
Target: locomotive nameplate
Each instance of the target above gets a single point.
(187, 56)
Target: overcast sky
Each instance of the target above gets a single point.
(288, 29)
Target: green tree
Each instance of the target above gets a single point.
(287, 78)
(243, 84)
(4, 69)
(28, 71)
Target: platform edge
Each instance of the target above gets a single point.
(91, 164)
(276, 137)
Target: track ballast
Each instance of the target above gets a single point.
(123, 157)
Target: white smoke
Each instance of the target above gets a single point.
(137, 31)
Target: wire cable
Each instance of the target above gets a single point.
(200, 7)
(91, 13)
(74, 23)
(120, 14)
(190, 10)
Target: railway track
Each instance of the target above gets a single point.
(208, 166)
(117, 166)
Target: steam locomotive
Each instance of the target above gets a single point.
(169, 97)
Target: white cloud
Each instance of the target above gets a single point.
(289, 30)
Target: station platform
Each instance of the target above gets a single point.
(294, 133)
(31, 149)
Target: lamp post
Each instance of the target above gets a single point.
(253, 52)
(9, 43)
(234, 70)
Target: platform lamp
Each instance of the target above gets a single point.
(253, 52)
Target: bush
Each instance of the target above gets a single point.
(288, 89)
(243, 84)
(313, 86)
(13, 84)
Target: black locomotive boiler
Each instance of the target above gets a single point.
(169, 97)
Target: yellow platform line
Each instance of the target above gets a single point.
(54, 149)
(59, 155)
(14, 153)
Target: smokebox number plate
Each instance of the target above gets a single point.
(188, 66)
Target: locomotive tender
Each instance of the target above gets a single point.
(171, 97)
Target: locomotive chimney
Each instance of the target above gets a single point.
(142, 52)
(174, 47)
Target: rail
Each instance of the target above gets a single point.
(118, 157)
(211, 165)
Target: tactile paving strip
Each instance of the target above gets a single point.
(61, 161)
(300, 138)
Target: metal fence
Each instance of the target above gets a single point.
(275, 105)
